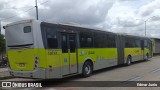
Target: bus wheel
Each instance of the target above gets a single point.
(128, 60)
(87, 69)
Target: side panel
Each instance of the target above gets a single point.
(136, 53)
(134, 47)
(53, 58)
(60, 43)
(101, 57)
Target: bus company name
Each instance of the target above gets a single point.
(52, 52)
(15, 84)
(136, 51)
(91, 52)
(85, 53)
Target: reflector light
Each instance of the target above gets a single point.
(36, 62)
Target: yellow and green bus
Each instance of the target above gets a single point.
(38, 49)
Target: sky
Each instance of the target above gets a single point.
(120, 16)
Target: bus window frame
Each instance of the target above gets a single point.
(44, 34)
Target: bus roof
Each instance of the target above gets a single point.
(80, 26)
(64, 24)
(126, 34)
(75, 25)
(155, 38)
(20, 22)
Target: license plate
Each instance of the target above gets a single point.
(21, 64)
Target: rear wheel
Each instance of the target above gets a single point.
(87, 69)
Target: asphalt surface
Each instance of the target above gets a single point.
(4, 73)
(138, 71)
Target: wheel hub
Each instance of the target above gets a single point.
(87, 69)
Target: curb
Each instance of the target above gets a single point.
(7, 77)
(3, 71)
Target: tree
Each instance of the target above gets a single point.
(2, 43)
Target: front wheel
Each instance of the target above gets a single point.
(87, 69)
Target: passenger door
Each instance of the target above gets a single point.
(69, 58)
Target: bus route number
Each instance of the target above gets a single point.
(52, 53)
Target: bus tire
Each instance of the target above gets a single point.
(87, 69)
(128, 61)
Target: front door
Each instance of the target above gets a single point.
(69, 59)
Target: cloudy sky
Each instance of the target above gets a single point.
(122, 16)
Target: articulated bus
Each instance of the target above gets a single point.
(38, 49)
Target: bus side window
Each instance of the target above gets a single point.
(142, 44)
(64, 43)
(130, 42)
(72, 43)
(111, 41)
(27, 29)
(52, 41)
(145, 43)
(86, 40)
(137, 43)
(100, 40)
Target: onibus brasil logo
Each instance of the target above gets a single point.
(19, 84)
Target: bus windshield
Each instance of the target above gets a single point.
(18, 35)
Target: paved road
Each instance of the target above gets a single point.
(139, 71)
(4, 72)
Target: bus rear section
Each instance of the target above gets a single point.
(23, 59)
